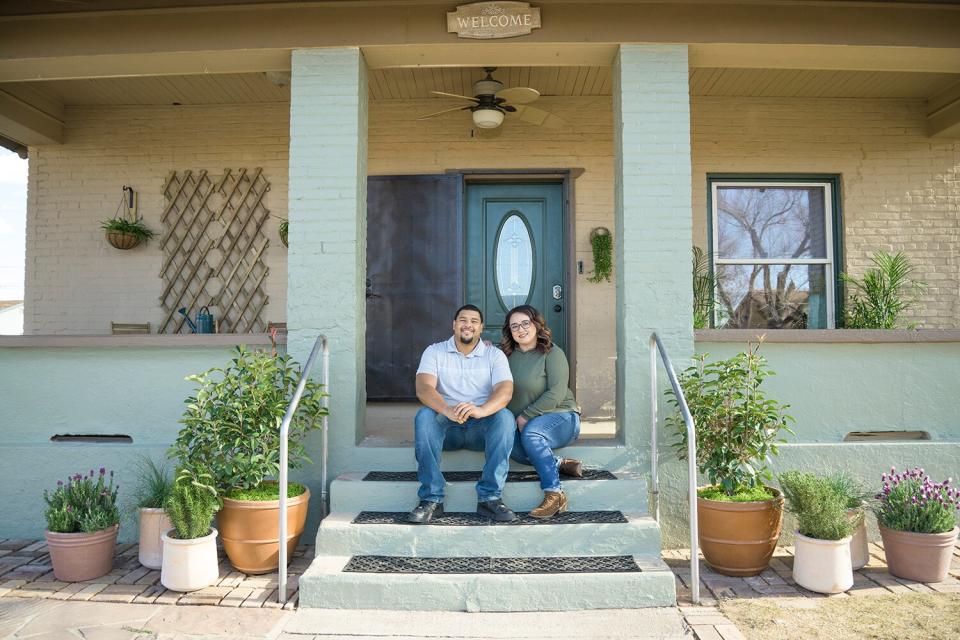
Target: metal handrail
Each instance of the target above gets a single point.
(321, 342)
(655, 346)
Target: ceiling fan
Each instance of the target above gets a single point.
(491, 101)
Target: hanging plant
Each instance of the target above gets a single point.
(125, 230)
(284, 228)
(602, 243)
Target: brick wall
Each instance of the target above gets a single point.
(76, 283)
(901, 190)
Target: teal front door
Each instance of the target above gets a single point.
(516, 253)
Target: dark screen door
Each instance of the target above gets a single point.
(516, 253)
(414, 275)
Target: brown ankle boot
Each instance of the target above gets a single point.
(572, 468)
(554, 502)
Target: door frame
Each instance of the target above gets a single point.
(566, 178)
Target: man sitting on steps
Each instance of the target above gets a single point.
(464, 385)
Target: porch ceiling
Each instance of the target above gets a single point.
(416, 83)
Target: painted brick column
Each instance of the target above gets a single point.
(653, 222)
(328, 222)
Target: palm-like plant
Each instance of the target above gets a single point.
(884, 294)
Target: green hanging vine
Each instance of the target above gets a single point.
(602, 243)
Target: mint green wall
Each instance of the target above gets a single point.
(135, 391)
(836, 388)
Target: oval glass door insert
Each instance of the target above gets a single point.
(514, 262)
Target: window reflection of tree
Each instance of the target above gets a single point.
(770, 219)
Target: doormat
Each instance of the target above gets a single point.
(576, 564)
(474, 476)
(469, 519)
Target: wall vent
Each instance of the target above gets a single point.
(97, 438)
(885, 436)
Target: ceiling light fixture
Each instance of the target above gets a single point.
(488, 118)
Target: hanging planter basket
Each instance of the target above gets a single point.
(122, 240)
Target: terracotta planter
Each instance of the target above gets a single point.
(250, 531)
(122, 240)
(738, 538)
(924, 557)
(82, 556)
(189, 564)
(153, 524)
(822, 565)
(859, 551)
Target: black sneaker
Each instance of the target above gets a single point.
(425, 512)
(496, 510)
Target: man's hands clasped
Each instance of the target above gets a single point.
(463, 412)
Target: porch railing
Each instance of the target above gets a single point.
(320, 343)
(657, 346)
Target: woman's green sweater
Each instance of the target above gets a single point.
(540, 383)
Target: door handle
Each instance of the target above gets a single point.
(557, 292)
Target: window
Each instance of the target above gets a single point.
(773, 253)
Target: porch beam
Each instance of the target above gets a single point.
(26, 123)
(943, 115)
(831, 57)
(653, 216)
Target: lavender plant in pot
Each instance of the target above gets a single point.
(82, 524)
(917, 518)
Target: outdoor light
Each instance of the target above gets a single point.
(487, 118)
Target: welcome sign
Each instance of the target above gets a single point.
(486, 20)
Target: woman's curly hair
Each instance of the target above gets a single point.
(544, 335)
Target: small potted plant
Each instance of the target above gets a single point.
(232, 428)
(918, 523)
(153, 488)
(737, 431)
(190, 547)
(82, 524)
(126, 234)
(856, 501)
(822, 540)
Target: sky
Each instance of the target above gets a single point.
(13, 217)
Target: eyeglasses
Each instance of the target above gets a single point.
(516, 326)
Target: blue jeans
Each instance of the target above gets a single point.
(535, 444)
(433, 434)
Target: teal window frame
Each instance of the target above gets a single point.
(835, 246)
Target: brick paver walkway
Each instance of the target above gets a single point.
(25, 572)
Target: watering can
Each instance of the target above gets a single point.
(204, 323)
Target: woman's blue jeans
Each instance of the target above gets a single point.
(535, 444)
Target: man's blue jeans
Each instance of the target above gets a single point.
(535, 444)
(433, 434)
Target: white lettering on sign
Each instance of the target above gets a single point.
(485, 20)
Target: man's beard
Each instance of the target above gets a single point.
(465, 340)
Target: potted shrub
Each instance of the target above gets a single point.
(82, 524)
(822, 539)
(737, 429)
(126, 234)
(151, 493)
(232, 428)
(190, 547)
(918, 523)
(856, 500)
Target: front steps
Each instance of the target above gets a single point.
(604, 554)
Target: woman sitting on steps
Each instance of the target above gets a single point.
(547, 414)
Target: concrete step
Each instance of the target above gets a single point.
(636, 534)
(350, 493)
(326, 585)
(646, 624)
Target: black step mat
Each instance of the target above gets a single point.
(466, 518)
(474, 476)
(578, 564)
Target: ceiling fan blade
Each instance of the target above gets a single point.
(454, 95)
(540, 117)
(437, 113)
(519, 95)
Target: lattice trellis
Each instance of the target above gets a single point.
(213, 247)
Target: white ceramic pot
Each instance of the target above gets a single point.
(859, 551)
(191, 564)
(822, 565)
(153, 522)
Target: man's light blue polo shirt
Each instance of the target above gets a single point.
(463, 378)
